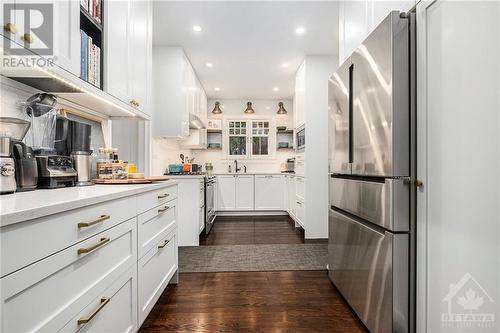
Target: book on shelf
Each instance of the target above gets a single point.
(94, 8)
(90, 66)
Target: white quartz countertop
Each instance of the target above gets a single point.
(186, 176)
(23, 206)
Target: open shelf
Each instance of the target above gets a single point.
(87, 20)
(93, 29)
(214, 131)
(285, 148)
(287, 131)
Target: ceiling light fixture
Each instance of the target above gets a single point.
(217, 89)
(209, 64)
(281, 109)
(217, 109)
(284, 65)
(276, 89)
(300, 31)
(197, 28)
(249, 109)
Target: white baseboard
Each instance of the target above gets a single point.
(251, 213)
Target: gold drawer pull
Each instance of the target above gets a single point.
(101, 242)
(27, 38)
(85, 320)
(91, 223)
(161, 196)
(164, 244)
(163, 210)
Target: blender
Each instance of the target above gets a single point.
(54, 171)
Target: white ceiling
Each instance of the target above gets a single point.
(247, 41)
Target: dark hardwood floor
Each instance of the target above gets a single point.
(244, 230)
(299, 301)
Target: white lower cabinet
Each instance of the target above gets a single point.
(155, 270)
(114, 311)
(291, 196)
(270, 192)
(235, 192)
(300, 212)
(95, 284)
(47, 294)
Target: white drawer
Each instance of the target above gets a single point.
(300, 211)
(154, 223)
(30, 241)
(300, 188)
(152, 199)
(155, 270)
(114, 311)
(46, 295)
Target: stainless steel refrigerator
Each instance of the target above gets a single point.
(371, 158)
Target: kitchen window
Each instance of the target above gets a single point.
(249, 138)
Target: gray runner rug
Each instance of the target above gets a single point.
(251, 258)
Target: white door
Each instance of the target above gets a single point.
(226, 193)
(269, 192)
(117, 61)
(141, 54)
(244, 192)
(67, 35)
(458, 154)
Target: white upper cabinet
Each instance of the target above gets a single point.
(177, 93)
(117, 60)
(141, 48)
(66, 31)
(128, 46)
(357, 19)
(270, 192)
(67, 35)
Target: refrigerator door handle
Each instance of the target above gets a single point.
(351, 116)
(353, 220)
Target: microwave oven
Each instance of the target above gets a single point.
(301, 139)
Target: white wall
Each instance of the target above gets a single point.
(165, 152)
(358, 18)
(233, 108)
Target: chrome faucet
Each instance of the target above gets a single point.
(236, 169)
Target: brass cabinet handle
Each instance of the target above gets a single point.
(10, 27)
(101, 242)
(163, 210)
(134, 103)
(27, 38)
(161, 196)
(418, 183)
(164, 244)
(91, 223)
(85, 320)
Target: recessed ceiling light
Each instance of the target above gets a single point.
(217, 89)
(197, 28)
(284, 65)
(209, 64)
(276, 89)
(300, 31)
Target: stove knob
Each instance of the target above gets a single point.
(7, 170)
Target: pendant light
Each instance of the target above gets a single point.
(281, 109)
(217, 109)
(249, 109)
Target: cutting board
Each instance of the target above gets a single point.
(146, 180)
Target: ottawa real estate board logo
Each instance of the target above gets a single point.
(468, 306)
(29, 28)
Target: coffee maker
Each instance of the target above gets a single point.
(54, 170)
(19, 169)
(76, 143)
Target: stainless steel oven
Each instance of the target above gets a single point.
(301, 139)
(210, 185)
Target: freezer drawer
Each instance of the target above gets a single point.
(370, 269)
(380, 94)
(385, 202)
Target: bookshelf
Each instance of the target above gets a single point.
(92, 42)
